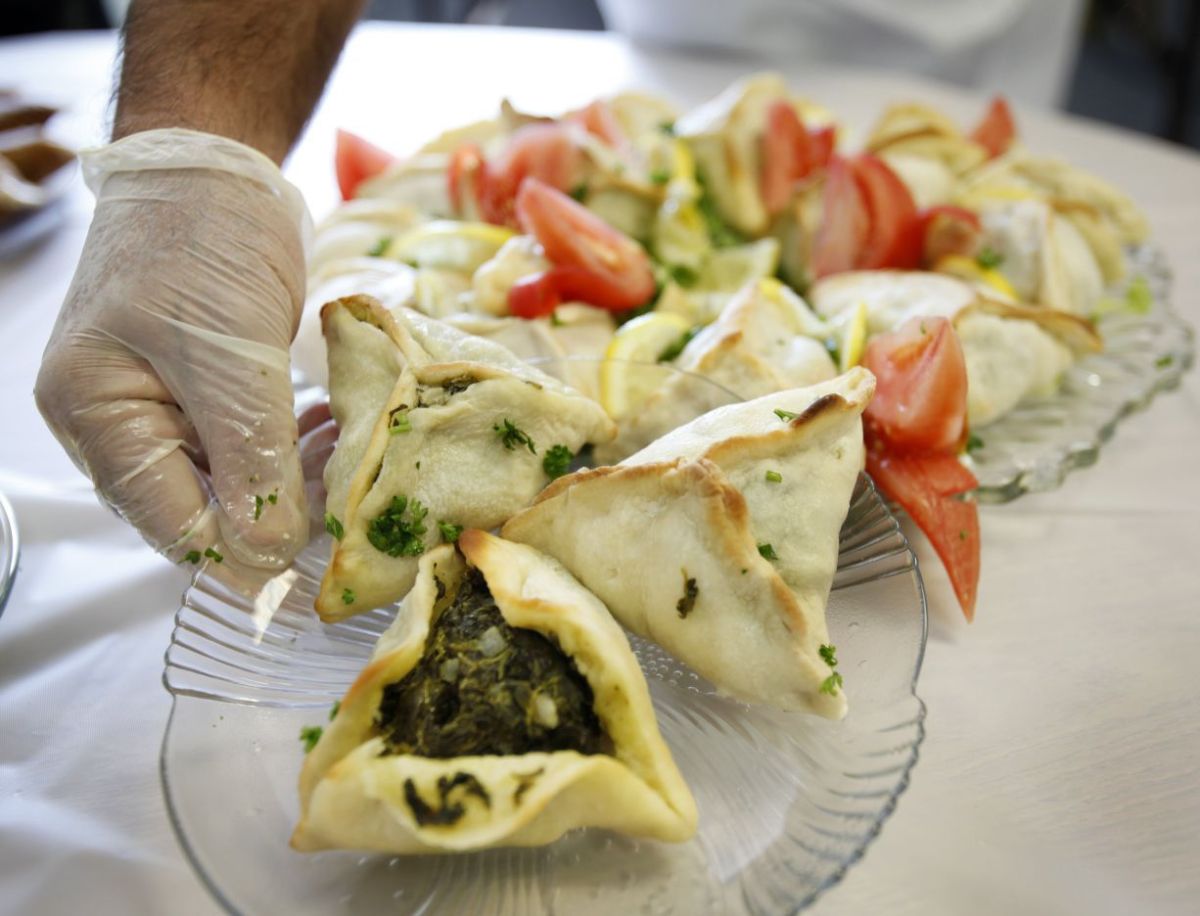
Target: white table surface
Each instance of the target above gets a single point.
(1060, 772)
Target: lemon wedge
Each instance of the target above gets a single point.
(729, 269)
(969, 269)
(629, 373)
(449, 245)
(979, 197)
(854, 339)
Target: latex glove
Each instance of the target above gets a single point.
(166, 377)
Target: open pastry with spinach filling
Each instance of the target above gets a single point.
(439, 430)
(503, 707)
(719, 541)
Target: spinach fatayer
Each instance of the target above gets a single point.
(430, 419)
(545, 720)
(737, 516)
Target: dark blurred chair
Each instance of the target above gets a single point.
(1138, 66)
(550, 14)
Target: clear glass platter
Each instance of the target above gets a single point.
(10, 549)
(787, 802)
(1034, 447)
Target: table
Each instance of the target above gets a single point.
(1059, 774)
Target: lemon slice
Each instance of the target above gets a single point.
(854, 339)
(732, 268)
(449, 245)
(624, 384)
(969, 269)
(979, 197)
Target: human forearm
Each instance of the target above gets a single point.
(251, 70)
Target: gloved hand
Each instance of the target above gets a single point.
(166, 377)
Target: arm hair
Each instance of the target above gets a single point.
(251, 70)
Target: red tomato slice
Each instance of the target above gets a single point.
(467, 178)
(356, 160)
(821, 146)
(920, 401)
(946, 230)
(786, 155)
(844, 222)
(895, 238)
(594, 262)
(997, 130)
(598, 119)
(927, 487)
(535, 296)
(543, 151)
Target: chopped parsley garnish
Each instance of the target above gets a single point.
(449, 532)
(630, 314)
(767, 552)
(378, 249)
(721, 235)
(391, 533)
(258, 504)
(557, 461)
(192, 556)
(513, 436)
(1138, 298)
(660, 176)
(667, 127)
(1164, 361)
(399, 423)
(989, 258)
(310, 735)
(974, 443)
(580, 191)
(831, 684)
(273, 498)
(684, 276)
(774, 477)
(333, 526)
(672, 350)
(962, 535)
(213, 555)
(785, 415)
(347, 596)
(687, 603)
(333, 710)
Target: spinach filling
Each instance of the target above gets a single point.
(484, 687)
(437, 395)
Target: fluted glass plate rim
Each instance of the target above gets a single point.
(877, 541)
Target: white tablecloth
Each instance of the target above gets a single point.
(1059, 774)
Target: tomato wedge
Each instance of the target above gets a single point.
(948, 230)
(593, 261)
(920, 401)
(544, 151)
(997, 131)
(535, 296)
(786, 154)
(467, 177)
(821, 146)
(844, 222)
(894, 239)
(928, 487)
(356, 160)
(599, 121)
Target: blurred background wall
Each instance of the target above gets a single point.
(1131, 63)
